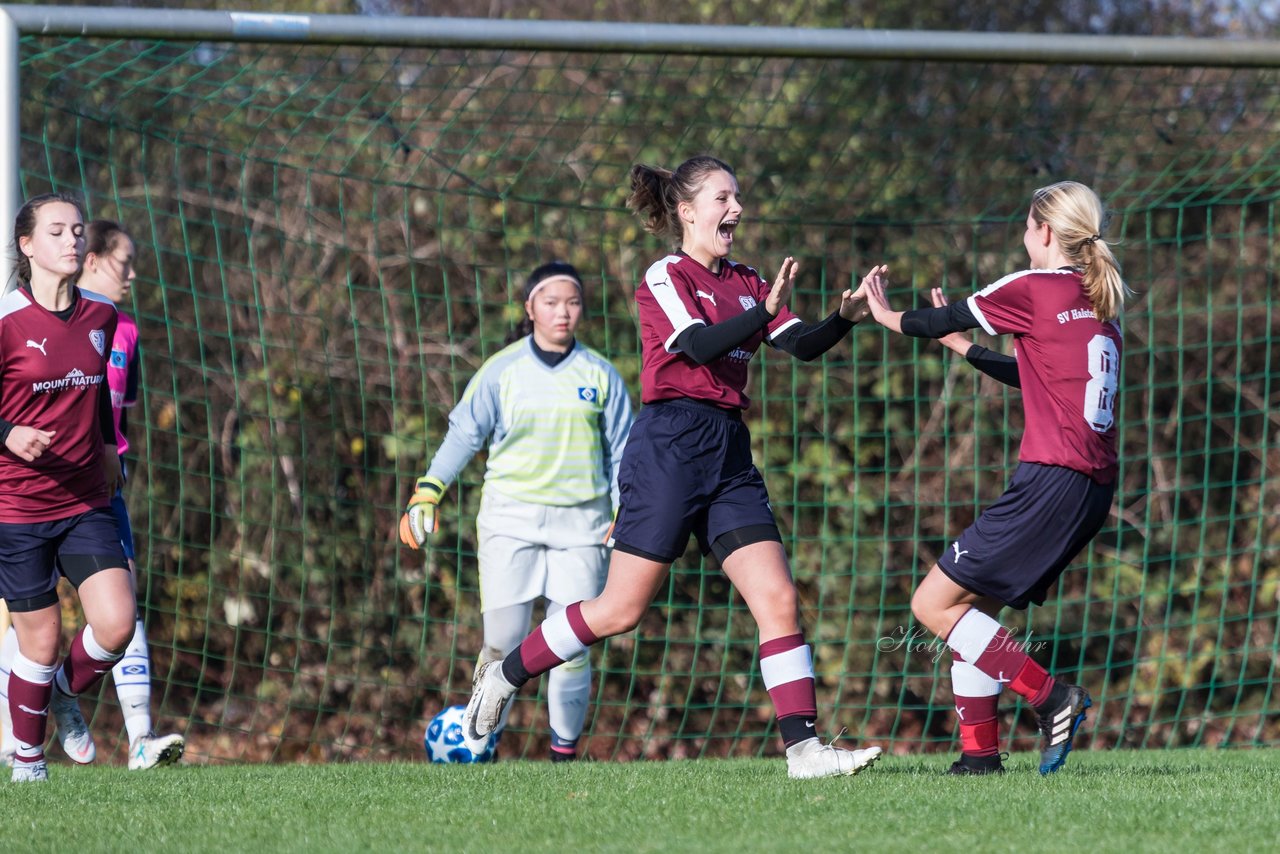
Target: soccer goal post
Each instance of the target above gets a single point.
(334, 216)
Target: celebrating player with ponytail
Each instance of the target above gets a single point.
(1064, 315)
(687, 466)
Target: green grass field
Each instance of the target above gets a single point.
(1103, 801)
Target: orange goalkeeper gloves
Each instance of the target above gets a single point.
(419, 519)
(613, 523)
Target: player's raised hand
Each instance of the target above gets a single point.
(420, 516)
(28, 443)
(780, 293)
(854, 306)
(873, 285)
(954, 341)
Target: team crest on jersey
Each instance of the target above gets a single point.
(98, 339)
(119, 359)
(590, 395)
(748, 302)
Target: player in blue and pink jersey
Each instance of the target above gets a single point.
(59, 466)
(1064, 316)
(687, 466)
(109, 271)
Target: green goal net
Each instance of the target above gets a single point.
(333, 238)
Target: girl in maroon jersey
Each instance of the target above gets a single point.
(687, 466)
(59, 466)
(1064, 315)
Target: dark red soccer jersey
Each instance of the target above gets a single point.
(51, 374)
(678, 292)
(1068, 364)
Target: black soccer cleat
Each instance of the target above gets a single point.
(1058, 725)
(968, 765)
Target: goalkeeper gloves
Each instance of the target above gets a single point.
(420, 516)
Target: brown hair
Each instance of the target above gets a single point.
(102, 236)
(1077, 218)
(24, 225)
(656, 192)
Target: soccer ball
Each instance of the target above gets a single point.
(443, 740)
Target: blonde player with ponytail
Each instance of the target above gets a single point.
(1064, 316)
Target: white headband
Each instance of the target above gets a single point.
(561, 277)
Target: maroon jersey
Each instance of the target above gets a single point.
(51, 375)
(678, 292)
(1068, 364)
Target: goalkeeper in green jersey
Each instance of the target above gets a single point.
(555, 415)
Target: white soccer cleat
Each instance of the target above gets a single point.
(490, 694)
(811, 759)
(152, 751)
(73, 732)
(30, 772)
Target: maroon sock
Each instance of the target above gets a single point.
(562, 636)
(82, 670)
(787, 667)
(29, 711)
(979, 725)
(1004, 661)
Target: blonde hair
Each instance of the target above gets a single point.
(1075, 214)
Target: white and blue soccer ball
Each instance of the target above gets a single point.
(443, 740)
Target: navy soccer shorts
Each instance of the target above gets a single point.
(687, 469)
(1017, 548)
(34, 554)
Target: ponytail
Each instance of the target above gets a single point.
(656, 193)
(1075, 214)
(651, 199)
(1103, 284)
(521, 329)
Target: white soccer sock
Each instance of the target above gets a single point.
(132, 676)
(504, 628)
(8, 648)
(568, 694)
(969, 681)
(972, 635)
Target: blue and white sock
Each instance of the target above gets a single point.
(132, 675)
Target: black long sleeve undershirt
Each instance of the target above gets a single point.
(995, 365)
(805, 341)
(705, 344)
(106, 418)
(936, 322)
(957, 317)
(808, 341)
